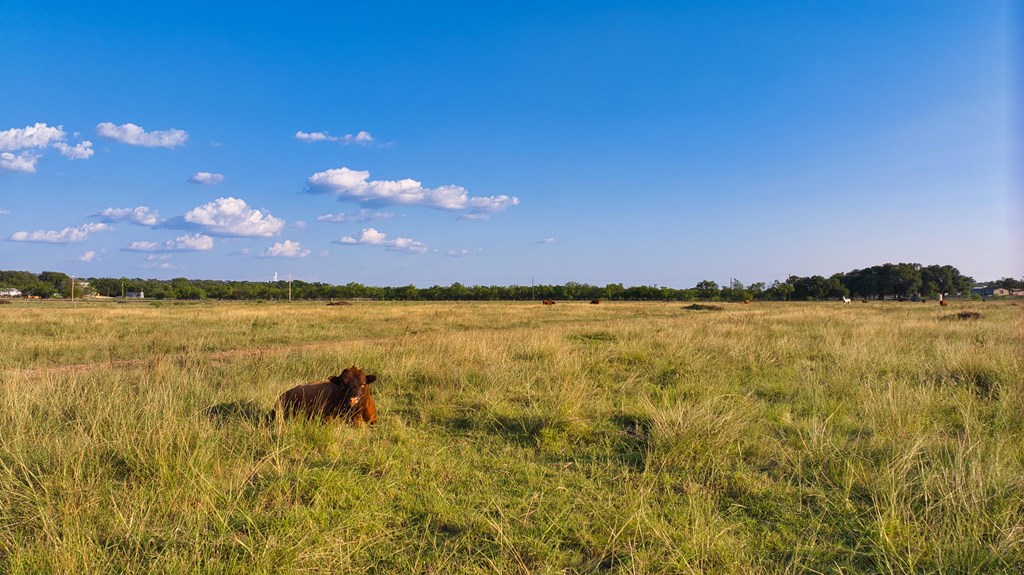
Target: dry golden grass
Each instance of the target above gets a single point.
(514, 438)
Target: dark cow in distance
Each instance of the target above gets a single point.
(595, 302)
(344, 397)
(548, 302)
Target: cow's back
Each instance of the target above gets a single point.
(316, 399)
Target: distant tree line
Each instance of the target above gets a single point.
(884, 281)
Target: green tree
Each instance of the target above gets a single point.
(707, 290)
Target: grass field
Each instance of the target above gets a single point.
(514, 438)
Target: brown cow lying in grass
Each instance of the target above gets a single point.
(548, 302)
(343, 397)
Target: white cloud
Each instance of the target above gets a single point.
(312, 136)
(23, 162)
(37, 136)
(87, 256)
(354, 185)
(371, 237)
(233, 217)
(65, 236)
(4, 212)
(206, 178)
(361, 137)
(81, 151)
(26, 140)
(285, 249)
(141, 215)
(462, 252)
(362, 216)
(136, 136)
(546, 241)
(299, 225)
(185, 243)
(160, 263)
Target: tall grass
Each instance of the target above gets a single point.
(514, 438)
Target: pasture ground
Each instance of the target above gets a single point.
(514, 438)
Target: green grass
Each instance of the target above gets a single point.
(514, 438)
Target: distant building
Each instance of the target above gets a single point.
(986, 291)
(135, 295)
(10, 292)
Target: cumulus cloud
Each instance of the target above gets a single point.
(546, 241)
(136, 136)
(18, 146)
(87, 256)
(23, 162)
(80, 151)
(185, 243)
(371, 237)
(361, 137)
(64, 236)
(285, 249)
(362, 216)
(37, 136)
(354, 185)
(142, 216)
(206, 178)
(230, 217)
(160, 263)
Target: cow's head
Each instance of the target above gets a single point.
(355, 385)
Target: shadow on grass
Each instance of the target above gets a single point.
(634, 446)
(250, 411)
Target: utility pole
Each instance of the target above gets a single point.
(289, 287)
(533, 290)
(72, 290)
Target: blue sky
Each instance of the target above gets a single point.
(497, 143)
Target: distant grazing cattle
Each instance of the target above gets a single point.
(846, 300)
(595, 301)
(344, 397)
(943, 302)
(746, 301)
(548, 302)
(863, 301)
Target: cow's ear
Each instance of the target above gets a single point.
(335, 379)
(371, 379)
